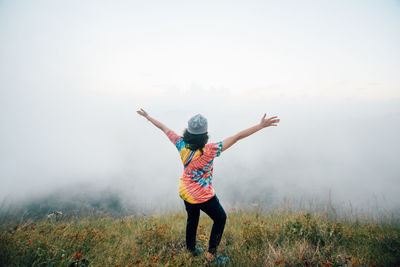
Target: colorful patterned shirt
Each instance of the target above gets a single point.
(195, 184)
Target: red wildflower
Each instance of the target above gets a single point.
(328, 262)
(16, 226)
(30, 241)
(78, 255)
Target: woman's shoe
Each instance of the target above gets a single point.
(218, 260)
(197, 251)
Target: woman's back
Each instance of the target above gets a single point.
(196, 181)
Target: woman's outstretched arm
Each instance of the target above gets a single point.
(155, 122)
(265, 122)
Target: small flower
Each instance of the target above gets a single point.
(78, 255)
(155, 259)
(16, 226)
(30, 241)
(33, 227)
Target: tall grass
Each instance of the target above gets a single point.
(278, 238)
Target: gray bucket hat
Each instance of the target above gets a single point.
(197, 124)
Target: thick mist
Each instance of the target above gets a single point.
(345, 150)
(73, 74)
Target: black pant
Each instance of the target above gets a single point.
(212, 208)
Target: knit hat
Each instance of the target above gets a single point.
(197, 125)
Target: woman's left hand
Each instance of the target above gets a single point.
(143, 113)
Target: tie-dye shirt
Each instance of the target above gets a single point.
(195, 185)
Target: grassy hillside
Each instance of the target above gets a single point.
(280, 238)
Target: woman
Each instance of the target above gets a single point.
(195, 187)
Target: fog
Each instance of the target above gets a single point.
(68, 116)
(344, 148)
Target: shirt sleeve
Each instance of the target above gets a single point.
(176, 139)
(213, 150)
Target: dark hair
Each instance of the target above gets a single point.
(195, 141)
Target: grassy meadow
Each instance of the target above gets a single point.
(278, 238)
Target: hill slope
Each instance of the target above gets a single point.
(250, 239)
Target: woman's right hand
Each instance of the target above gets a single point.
(266, 122)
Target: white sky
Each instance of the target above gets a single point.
(271, 48)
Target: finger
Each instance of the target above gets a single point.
(273, 117)
(265, 115)
(274, 124)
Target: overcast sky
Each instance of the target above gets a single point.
(72, 74)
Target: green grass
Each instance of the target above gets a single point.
(280, 238)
